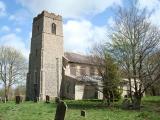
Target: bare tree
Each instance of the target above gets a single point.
(12, 68)
(134, 41)
(108, 71)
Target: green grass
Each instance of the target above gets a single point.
(94, 111)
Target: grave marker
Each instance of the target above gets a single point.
(83, 113)
(61, 109)
(47, 99)
(18, 99)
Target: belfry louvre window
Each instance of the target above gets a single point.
(38, 28)
(53, 28)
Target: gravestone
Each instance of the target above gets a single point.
(0, 98)
(61, 110)
(18, 99)
(4, 99)
(126, 104)
(47, 99)
(83, 113)
(21, 99)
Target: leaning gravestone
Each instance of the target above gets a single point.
(47, 98)
(18, 99)
(61, 110)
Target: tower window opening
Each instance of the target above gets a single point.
(38, 28)
(53, 28)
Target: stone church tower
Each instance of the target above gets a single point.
(45, 59)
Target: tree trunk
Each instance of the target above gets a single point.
(130, 90)
(137, 102)
(108, 99)
(6, 92)
(153, 91)
(112, 97)
(104, 98)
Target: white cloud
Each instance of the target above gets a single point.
(16, 42)
(110, 21)
(12, 17)
(20, 17)
(150, 4)
(70, 8)
(154, 7)
(155, 17)
(18, 30)
(79, 36)
(5, 28)
(2, 9)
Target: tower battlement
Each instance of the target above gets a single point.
(49, 15)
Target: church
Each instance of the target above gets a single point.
(54, 72)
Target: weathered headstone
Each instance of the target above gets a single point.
(126, 104)
(47, 99)
(18, 99)
(61, 110)
(4, 99)
(83, 113)
(21, 99)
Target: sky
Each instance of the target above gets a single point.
(85, 22)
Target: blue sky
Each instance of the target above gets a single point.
(85, 21)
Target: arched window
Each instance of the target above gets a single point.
(38, 28)
(54, 28)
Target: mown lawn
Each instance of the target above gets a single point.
(94, 109)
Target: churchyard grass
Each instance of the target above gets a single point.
(94, 110)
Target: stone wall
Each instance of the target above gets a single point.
(46, 56)
(68, 87)
(80, 69)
